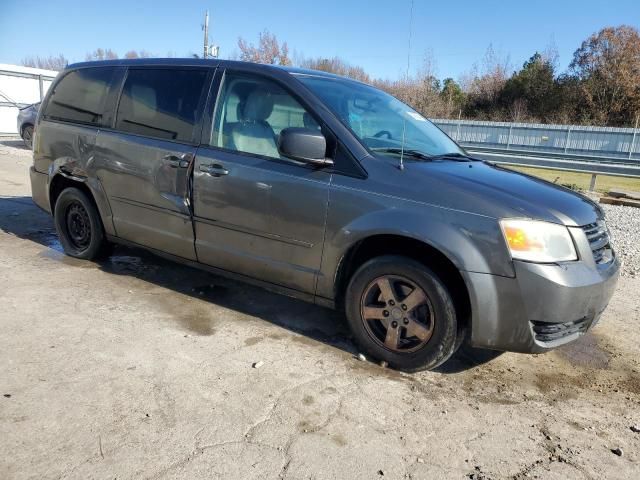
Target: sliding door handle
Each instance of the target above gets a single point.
(215, 170)
(175, 161)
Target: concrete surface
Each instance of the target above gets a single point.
(138, 368)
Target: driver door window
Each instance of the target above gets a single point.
(250, 114)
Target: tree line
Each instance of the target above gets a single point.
(600, 87)
(59, 62)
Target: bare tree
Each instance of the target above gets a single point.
(101, 54)
(57, 63)
(138, 54)
(421, 91)
(550, 54)
(491, 75)
(484, 84)
(334, 65)
(268, 50)
(518, 110)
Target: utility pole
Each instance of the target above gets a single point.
(206, 34)
(208, 50)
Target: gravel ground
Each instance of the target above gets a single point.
(624, 224)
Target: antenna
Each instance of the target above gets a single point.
(404, 120)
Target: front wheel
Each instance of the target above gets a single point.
(79, 226)
(400, 312)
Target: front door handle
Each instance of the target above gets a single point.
(215, 170)
(175, 161)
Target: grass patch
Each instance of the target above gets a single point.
(581, 180)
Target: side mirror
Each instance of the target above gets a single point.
(305, 145)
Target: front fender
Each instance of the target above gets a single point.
(470, 241)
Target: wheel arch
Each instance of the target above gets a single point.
(428, 255)
(61, 180)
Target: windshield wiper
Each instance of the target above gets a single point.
(455, 156)
(407, 153)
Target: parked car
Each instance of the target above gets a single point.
(326, 189)
(26, 121)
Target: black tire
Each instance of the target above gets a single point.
(27, 136)
(79, 226)
(442, 323)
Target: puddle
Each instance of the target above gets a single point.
(194, 316)
(210, 291)
(586, 352)
(48, 238)
(126, 265)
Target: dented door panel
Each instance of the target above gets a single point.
(147, 183)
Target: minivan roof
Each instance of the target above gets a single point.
(201, 62)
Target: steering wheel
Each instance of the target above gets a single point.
(382, 133)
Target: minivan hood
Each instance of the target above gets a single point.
(483, 188)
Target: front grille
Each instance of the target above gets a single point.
(548, 332)
(598, 237)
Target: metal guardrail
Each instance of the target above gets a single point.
(557, 162)
(615, 145)
(592, 150)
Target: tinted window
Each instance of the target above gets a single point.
(161, 103)
(81, 96)
(252, 112)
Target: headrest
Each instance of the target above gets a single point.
(144, 101)
(258, 106)
(309, 122)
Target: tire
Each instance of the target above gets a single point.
(425, 335)
(27, 136)
(79, 226)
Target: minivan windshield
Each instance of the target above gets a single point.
(380, 120)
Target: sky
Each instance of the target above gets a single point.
(373, 34)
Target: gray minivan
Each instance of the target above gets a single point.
(322, 188)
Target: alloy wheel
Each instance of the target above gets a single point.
(397, 313)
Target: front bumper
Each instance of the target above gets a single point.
(543, 307)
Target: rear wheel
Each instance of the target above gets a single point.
(400, 311)
(27, 136)
(79, 226)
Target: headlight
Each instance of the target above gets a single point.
(535, 241)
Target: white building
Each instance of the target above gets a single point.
(19, 87)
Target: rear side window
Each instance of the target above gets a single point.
(161, 103)
(81, 96)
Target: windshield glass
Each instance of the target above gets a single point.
(378, 119)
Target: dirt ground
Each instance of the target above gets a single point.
(139, 368)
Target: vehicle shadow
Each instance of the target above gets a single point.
(15, 143)
(19, 216)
